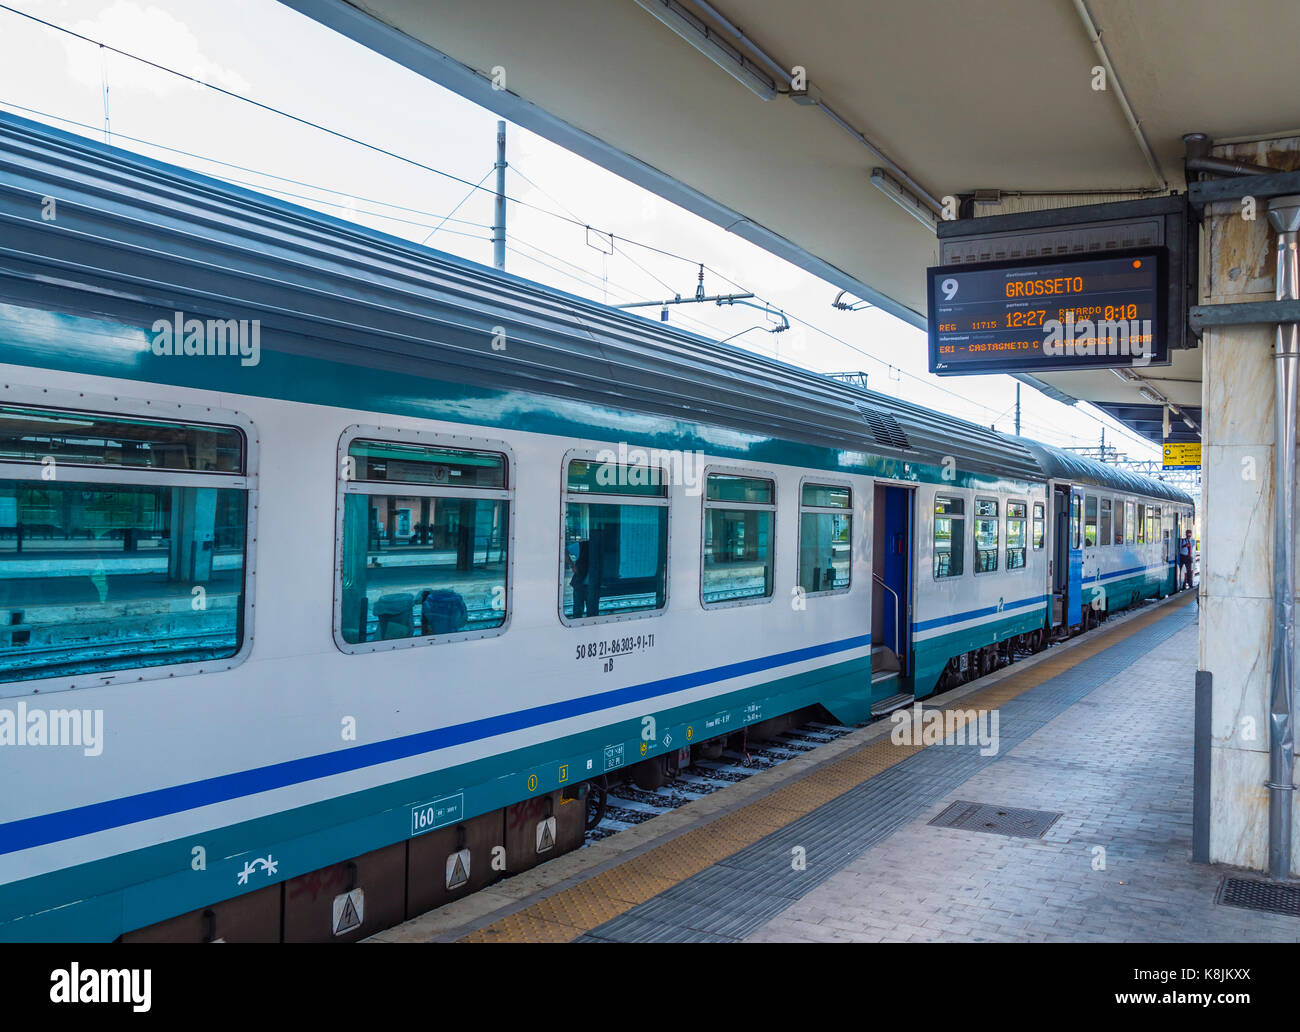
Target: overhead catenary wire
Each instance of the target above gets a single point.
(571, 219)
(309, 123)
(349, 204)
(251, 171)
(457, 208)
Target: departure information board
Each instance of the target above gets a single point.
(1037, 315)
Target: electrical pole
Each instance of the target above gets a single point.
(499, 224)
(1017, 408)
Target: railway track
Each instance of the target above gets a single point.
(627, 805)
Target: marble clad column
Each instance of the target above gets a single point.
(1237, 264)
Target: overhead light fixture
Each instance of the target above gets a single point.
(904, 198)
(1151, 395)
(698, 34)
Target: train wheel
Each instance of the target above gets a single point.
(597, 803)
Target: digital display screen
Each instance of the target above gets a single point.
(1037, 315)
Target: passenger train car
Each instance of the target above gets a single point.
(334, 570)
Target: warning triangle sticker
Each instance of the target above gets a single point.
(544, 839)
(348, 920)
(459, 876)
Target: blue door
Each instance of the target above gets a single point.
(1074, 592)
(892, 574)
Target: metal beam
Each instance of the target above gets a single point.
(1237, 187)
(1243, 313)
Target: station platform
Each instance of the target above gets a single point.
(839, 845)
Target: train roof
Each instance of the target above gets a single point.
(156, 234)
(1056, 463)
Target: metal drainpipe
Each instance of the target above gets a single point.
(1284, 214)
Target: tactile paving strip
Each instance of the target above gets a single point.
(729, 877)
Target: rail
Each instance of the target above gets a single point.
(875, 577)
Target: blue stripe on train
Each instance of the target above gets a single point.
(115, 813)
(1131, 570)
(943, 621)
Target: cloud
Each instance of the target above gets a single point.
(149, 32)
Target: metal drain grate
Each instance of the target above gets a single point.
(1251, 894)
(997, 820)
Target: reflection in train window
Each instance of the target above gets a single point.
(825, 538)
(1103, 529)
(131, 555)
(1015, 535)
(1119, 522)
(90, 439)
(1040, 525)
(986, 535)
(949, 536)
(1090, 521)
(1141, 523)
(737, 557)
(1130, 521)
(615, 539)
(425, 540)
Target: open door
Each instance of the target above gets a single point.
(1067, 557)
(891, 592)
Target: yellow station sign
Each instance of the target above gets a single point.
(1183, 455)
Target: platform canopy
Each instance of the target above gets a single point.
(947, 97)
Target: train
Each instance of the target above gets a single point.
(337, 574)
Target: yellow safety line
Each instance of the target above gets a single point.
(569, 913)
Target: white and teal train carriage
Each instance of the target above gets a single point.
(334, 569)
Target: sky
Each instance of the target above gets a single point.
(283, 60)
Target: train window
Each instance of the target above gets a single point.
(424, 542)
(986, 535)
(825, 538)
(1119, 522)
(738, 524)
(1130, 521)
(1141, 523)
(123, 542)
(1040, 525)
(949, 536)
(1075, 521)
(1154, 531)
(1015, 535)
(403, 463)
(90, 439)
(615, 555)
(1090, 521)
(827, 496)
(1103, 528)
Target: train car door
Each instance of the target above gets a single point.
(891, 573)
(1074, 597)
(1067, 557)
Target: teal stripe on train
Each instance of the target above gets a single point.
(75, 344)
(142, 887)
(932, 654)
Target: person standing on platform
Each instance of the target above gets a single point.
(1185, 558)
